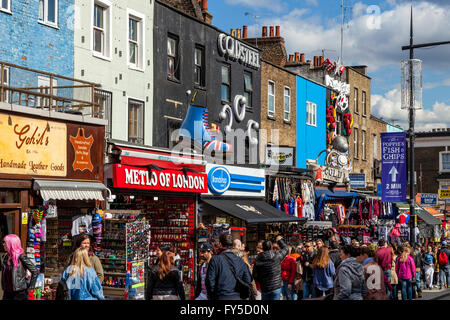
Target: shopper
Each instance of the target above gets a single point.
(406, 270)
(267, 269)
(223, 271)
(384, 258)
(374, 275)
(394, 278)
(323, 272)
(298, 282)
(428, 263)
(349, 283)
(81, 279)
(417, 256)
(444, 265)
(13, 266)
(335, 254)
(237, 248)
(308, 274)
(437, 278)
(83, 241)
(319, 244)
(205, 252)
(246, 253)
(288, 270)
(164, 281)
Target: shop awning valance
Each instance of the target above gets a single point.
(427, 217)
(251, 210)
(335, 194)
(69, 190)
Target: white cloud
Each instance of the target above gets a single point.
(387, 106)
(312, 2)
(432, 85)
(276, 6)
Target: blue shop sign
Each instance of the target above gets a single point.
(219, 180)
(429, 198)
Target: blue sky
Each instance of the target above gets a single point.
(374, 32)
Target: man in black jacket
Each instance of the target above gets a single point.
(444, 269)
(267, 269)
(307, 259)
(221, 283)
(335, 255)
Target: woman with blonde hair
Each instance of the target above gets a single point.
(323, 272)
(405, 269)
(81, 279)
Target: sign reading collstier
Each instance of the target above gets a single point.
(393, 167)
(28, 147)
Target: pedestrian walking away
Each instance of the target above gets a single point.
(288, 271)
(444, 265)
(81, 279)
(349, 283)
(323, 272)
(373, 274)
(417, 256)
(406, 270)
(14, 266)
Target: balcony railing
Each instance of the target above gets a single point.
(38, 89)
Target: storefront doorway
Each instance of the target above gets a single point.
(9, 222)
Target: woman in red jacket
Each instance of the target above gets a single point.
(288, 269)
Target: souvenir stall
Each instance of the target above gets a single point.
(235, 203)
(163, 189)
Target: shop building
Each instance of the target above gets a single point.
(203, 86)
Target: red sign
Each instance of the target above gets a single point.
(164, 180)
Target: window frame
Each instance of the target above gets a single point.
(177, 58)
(106, 53)
(284, 104)
(311, 109)
(375, 146)
(139, 65)
(228, 84)
(249, 91)
(141, 125)
(441, 162)
(44, 20)
(355, 100)
(269, 113)
(8, 9)
(363, 103)
(363, 145)
(355, 143)
(201, 66)
(6, 93)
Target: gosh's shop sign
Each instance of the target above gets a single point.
(165, 180)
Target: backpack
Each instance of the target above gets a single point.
(443, 258)
(62, 291)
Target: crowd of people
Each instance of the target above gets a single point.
(319, 270)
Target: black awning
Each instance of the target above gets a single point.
(251, 210)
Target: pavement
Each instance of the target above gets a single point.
(435, 294)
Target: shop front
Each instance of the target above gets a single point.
(50, 175)
(161, 190)
(235, 203)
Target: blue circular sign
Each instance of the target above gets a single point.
(219, 180)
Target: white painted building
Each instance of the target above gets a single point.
(114, 47)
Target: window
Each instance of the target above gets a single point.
(199, 62)
(364, 111)
(5, 5)
(287, 104)
(375, 147)
(355, 143)
(48, 11)
(444, 161)
(248, 89)
(44, 85)
(311, 113)
(101, 29)
(135, 121)
(6, 93)
(225, 89)
(103, 108)
(173, 59)
(363, 144)
(271, 99)
(355, 100)
(136, 36)
(172, 126)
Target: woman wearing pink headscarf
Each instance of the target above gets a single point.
(13, 266)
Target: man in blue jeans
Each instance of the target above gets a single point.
(267, 269)
(307, 258)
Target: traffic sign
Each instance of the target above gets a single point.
(393, 166)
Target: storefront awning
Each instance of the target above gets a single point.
(69, 190)
(335, 194)
(427, 217)
(250, 210)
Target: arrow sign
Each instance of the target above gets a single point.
(393, 173)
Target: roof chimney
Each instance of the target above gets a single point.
(297, 56)
(271, 31)
(291, 58)
(316, 61)
(233, 32)
(264, 31)
(238, 35)
(205, 5)
(244, 32)
(277, 28)
(321, 61)
(302, 57)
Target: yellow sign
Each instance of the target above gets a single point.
(32, 147)
(24, 218)
(444, 193)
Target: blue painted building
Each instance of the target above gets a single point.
(37, 34)
(311, 121)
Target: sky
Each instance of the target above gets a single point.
(374, 32)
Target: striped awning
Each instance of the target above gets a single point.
(69, 190)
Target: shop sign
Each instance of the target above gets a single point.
(235, 181)
(276, 155)
(339, 86)
(24, 218)
(357, 180)
(429, 199)
(238, 51)
(393, 166)
(328, 173)
(82, 147)
(164, 180)
(32, 147)
(444, 193)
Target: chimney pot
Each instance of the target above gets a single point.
(238, 35)
(244, 32)
(302, 57)
(291, 58)
(316, 61)
(271, 31)
(205, 5)
(297, 56)
(277, 31)
(321, 60)
(233, 32)
(264, 31)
